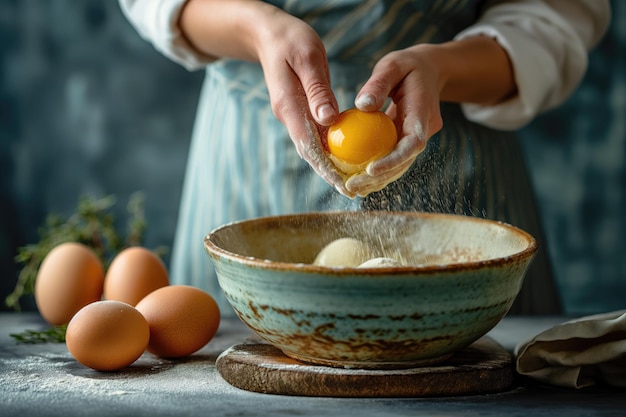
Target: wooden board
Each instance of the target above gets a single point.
(254, 365)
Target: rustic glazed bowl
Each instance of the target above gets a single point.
(463, 277)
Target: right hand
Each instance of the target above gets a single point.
(295, 65)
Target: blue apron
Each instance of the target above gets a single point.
(242, 163)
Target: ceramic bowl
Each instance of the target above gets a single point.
(463, 276)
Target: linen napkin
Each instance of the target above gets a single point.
(579, 353)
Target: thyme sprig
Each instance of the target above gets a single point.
(55, 334)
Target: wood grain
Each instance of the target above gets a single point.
(254, 365)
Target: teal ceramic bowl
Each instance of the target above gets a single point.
(460, 275)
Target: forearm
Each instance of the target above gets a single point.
(473, 70)
(547, 43)
(225, 28)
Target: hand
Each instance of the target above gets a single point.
(412, 83)
(471, 70)
(294, 61)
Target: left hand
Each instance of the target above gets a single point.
(412, 82)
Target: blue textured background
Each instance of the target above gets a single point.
(87, 107)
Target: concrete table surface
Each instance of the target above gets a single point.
(44, 380)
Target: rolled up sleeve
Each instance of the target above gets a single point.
(548, 44)
(156, 21)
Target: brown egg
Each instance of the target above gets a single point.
(107, 335)
(182, 320)
(134, 273)
(70, 277)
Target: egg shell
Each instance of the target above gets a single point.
(70, 277)
(134, 273)
(107, 335)
(182, 320)
(381, 262)
(343, 252)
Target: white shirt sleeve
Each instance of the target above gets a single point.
(548, 43)
(157, 22)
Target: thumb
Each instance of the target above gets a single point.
(378, 87)
(322, 102)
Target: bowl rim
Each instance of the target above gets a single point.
(215, 251)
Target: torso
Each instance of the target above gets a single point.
(243, 164)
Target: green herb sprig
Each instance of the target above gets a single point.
(55, 334)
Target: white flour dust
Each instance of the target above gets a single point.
(57, 373)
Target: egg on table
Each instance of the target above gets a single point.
(70, 277)
(134, 273)
(182, 319)
(107, 335)
(359, 137)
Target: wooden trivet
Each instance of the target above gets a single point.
(254, 365)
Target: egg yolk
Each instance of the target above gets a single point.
(359, 137)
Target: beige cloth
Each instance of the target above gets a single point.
(579, 353)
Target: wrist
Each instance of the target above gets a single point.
(261, 25)
(225, 28)
(473, 70)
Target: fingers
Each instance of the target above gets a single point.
(289, 104)
(310, 64)
(312, 151)
(309, 147)
(299, 86)
(321, 99)
(297, 75)
(380, 173)
(302, 99)
(385, 75)
(305, 134)
(406, 150)
(363, 184)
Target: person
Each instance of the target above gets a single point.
(457, 77)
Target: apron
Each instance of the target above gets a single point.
(242, 163)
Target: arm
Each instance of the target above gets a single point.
(293, 58)
(417, 79)
(285, 46)
(225, 28)
(548, 43)
(157, 22)
(294, 63)
(520, 58)
(196, 32)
